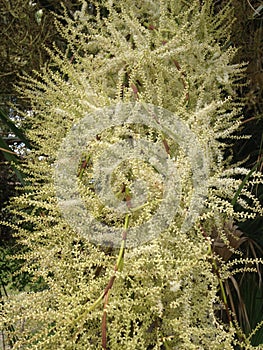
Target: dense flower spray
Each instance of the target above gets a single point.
(128, 180)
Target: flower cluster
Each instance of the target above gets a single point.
(172, 59)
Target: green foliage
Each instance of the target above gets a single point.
(164, 294)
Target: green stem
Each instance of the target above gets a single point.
(167, 347)
(119, 263)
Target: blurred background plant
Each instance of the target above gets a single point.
(245, 290)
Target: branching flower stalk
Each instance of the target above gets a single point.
(118, 267)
